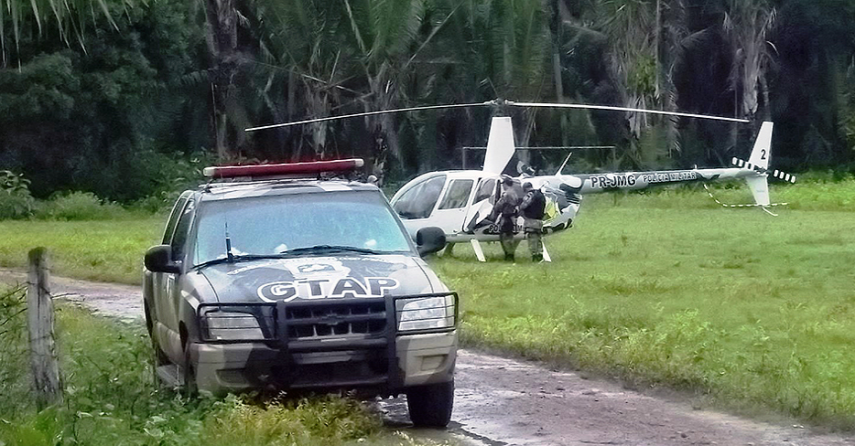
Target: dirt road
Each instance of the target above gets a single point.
(505, 402)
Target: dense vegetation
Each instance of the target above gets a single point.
(125, 98)
(111, 397)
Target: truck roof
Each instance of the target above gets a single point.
(236, 190)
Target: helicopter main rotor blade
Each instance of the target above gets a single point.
(371, 113)
(498, 102)
(625, 109)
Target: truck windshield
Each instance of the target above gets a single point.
(272, 225)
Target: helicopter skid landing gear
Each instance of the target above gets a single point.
(479, 253)
(546, 257)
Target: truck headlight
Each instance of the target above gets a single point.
(425, 313)
(232, 326)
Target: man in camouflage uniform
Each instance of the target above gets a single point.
(505, 213)
(532, 208)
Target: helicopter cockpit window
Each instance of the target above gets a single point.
(457, 194)
(419, 201)
(485, 190)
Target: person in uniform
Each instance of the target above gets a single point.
(532, 208)
(505, 213)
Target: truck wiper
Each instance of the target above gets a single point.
(239, 258)
(289, 253)
(330, 248)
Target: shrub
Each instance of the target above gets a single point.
(13, 349)
(15, 198)
(78, 206)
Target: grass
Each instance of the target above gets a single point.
(665, 289)
(111, 399)
(107, 251)
(749, 312)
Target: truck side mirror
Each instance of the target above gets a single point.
(158, 259)
(430, 240)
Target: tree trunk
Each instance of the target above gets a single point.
(557, 70)
(222, 45)
(657, 33)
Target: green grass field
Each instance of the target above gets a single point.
(107, 251)
(747, 311)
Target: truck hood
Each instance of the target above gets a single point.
(319, 278)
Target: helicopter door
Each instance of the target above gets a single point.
(482, 204)
(451, 211)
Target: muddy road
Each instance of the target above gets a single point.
(506, 402)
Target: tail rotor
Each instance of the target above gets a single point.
(757, 171)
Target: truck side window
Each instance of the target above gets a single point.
(173, 218)
(180, 238)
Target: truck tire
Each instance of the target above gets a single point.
(431, 405)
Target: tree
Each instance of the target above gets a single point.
(108, 119)
(746, 26)
(222, 39)
(70, 19)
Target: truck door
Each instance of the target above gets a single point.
(167, 289)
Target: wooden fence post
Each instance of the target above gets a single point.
(40, 317)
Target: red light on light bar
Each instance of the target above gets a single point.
(264, 170)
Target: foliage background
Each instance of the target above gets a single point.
(126, 99)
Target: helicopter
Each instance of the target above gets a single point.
(460, 201)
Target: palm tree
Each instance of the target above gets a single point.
(345, 56)
(222, 18)
(629, 33)
(68, 17)
(746, 25)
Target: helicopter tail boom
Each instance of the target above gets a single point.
(755, 172)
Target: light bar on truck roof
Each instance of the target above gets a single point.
(268, 170)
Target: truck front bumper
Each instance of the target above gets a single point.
(419, 359)
(384, 362)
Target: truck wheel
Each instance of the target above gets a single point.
(430, 405)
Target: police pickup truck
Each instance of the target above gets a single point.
(269, 277)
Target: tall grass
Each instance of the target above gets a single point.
(111, 398)
(78, 206)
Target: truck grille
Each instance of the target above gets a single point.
(335, 320)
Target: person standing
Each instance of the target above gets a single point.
(505, 213)
(532, 208)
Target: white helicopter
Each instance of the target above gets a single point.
(460, 201)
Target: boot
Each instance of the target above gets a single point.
(509, 257)
(536, 258)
